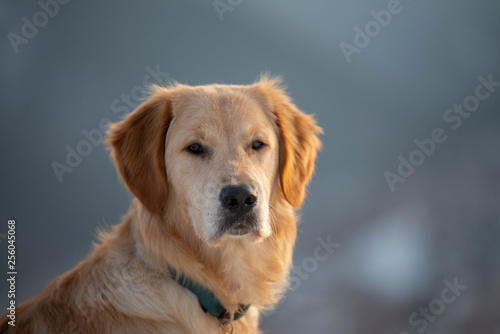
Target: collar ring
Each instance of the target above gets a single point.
(224, 323)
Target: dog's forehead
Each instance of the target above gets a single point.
(228, 108)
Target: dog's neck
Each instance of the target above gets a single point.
(237, 271)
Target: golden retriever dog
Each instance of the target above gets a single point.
(216, 172)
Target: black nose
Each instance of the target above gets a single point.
(237, 199)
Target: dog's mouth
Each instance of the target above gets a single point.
(239, 229)
(238, 225)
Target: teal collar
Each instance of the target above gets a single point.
(208, 302)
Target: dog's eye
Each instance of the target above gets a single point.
(195, 149)
(257, 145)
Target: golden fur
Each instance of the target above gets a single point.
(124, 285)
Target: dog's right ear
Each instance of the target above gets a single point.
(137, 145)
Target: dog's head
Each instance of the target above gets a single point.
(225, 153)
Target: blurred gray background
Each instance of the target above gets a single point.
(397, 248)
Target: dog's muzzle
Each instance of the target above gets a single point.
(238, 203)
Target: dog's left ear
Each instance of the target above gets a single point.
(299, 140)
(137, 145)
